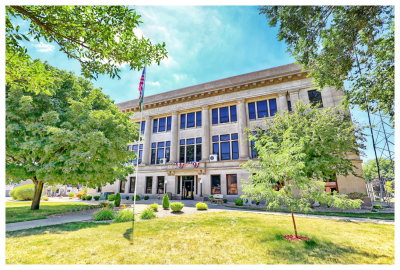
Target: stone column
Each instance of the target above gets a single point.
(242, 124)
(174, 138)
(294, 97)
(282, 102)
(147, 141)
(205, 134)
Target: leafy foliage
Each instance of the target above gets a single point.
(165, 201)
(148, 213)
(201, 206)
(45, 198)
(370, 170)
(154, 206)
(238, 202)
(111, 197)
(339, 43)
(124, 215)
(117, 201)
(104, 214)
(71, 195)
(23, 193)
(176, 206)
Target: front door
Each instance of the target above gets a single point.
(187, 187)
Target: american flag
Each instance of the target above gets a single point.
(141, 88)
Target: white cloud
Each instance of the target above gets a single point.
(179, 77)
(154, 84)
(44, 47)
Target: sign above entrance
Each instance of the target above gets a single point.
(181, 165)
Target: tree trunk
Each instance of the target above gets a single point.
(294, 224)
(38, 193)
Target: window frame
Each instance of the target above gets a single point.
(120, 186)
(158, 184)
(197, 120)
(197, 141)
(157, 124)
(213, 190)
(228, 186)
(130, 184)
(216, 115)
(217, 143)
(154, 160)
(254, 105)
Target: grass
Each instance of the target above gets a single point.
(20, 211)
(207, 238)
(370, 215)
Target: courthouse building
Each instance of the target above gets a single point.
(195, 140)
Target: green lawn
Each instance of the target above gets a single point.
(20, 211)
(207, 238)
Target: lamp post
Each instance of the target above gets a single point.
(201, 188)
(165, 188)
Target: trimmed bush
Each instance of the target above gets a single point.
(201, 206)
(71, 195)
(126, 197)
(44, 198)
(81, 193)
(165, 202)
(88, 198)
(154, 206)
(23, 193)
(146, 198)
(377, 206)
(176, 206)
(117, 200)
(137, 198)
(111, 197)
(238, 202)
(96, 198)
(148, 213)
(83, 197)
(124, 215)
(225, 200)
(104, 214)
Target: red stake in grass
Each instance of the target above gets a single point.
(294, 224)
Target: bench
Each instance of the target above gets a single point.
(217, 198)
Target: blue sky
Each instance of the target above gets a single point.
(204, 43)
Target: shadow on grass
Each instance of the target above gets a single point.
(55, 229)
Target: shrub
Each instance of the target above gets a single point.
(201, 206)
(225, 200)
(146, 198)
(377, 206)
(127, 197)
(111, 197)
(81, 193)
(124, 215)
(23, 193)
(88, 198)
(176, 206)
(71, 195)
(356, 195)
(110, 205)
(165, 202)
(96, 198)
(154, 206)
(45, 198)
(148, 213)
(117, 200)
(104, 214)
(238, 202)
(137, 198)
(103, 204)
(83, 197)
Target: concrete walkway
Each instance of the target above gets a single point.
(189, 209)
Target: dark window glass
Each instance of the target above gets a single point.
(183, 121)
(149, 185)
(272, 107)
(215, 184)
(262, 109)
(141, 146)
(189, 153)
(135, 148)
(231, 184)
(289, 105)
(132, 183)
(169, 119)
(167, 151)
(140, 156)
(233, 113)
(198, 140)
(161, 124)
(160, 154)
(122, 186)
(215, 138)
(315, 98)
(235, 150)
(153, 156)
(234, 136)
(153, 145)
(190, 120)
(215, 116)
(190, 141)
(253, 150)
(182, 142)
(182, 154)
(168, 143)
(252, 110)
(223, 115)
(198, 152)
(155, 125)
(225, 151)
(160, 184)
(160, 144)
(225, 137)
(215, 149)
(178, 185)
(198, 119)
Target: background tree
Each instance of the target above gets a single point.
(72, 135)
(343, 43)
(101, 38)
(370, 170)
(297, 152)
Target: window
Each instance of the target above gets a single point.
(226, 146)
(289, 105)
(315, 98)
(141, 126)
(122, 186)
(160, 184)
(224, 115)
(138, 149)
(160, 150)
(215, 184)
(190, 150)
(231, 184)
(262, 108)
(162, 124)
(149, 185)
(190, 120)
(132, 183)
(253, 150)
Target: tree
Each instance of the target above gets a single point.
(165, 202)
(339, 43)
(101, 38)
(297, 152)
(72, 135)
(370, 170)
(117, 201)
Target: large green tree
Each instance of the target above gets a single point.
(70, 134)
(370, 170)
(101, 38)
(298, 152)
(343, 43)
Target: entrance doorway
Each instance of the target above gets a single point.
(187, 187)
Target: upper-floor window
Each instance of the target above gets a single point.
(189, 120)
(141, 126)
(160, 150)
(162, 124)
(224, 115)
(226, 146)
(315, 98)
(262, 108)
(190, 150)
(289, 105)
(138, 149)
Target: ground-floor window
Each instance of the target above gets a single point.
(149, 185)
(231, 184)
(215, 184)
(160, 184)
(122, 186)
(132, 183)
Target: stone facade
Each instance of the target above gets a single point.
(283, 83)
